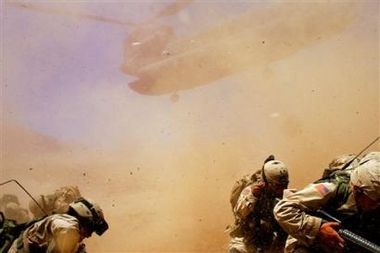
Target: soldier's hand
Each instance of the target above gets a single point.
(257, 189)
(328, 235)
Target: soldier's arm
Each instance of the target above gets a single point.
(65, 241)
(65, 233)
(292, 211)
(246, 202)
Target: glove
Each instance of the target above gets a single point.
(328, 235)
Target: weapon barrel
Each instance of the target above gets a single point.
(351, 236)
(360, 241)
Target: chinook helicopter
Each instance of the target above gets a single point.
(251, 40)
(164, 62)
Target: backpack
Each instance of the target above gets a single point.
(239, 186)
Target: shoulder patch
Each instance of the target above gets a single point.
(322, 189)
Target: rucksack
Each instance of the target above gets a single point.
(239, 186)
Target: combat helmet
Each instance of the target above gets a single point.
(367, 178)
(90, 214)
(275, 172)
(374, 155)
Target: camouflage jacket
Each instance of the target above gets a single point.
(254, 218)
(296, 213)
(55, 233)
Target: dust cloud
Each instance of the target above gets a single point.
(306, 90)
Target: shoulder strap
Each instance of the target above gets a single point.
(342, 193)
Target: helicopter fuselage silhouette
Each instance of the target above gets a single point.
(164, 63)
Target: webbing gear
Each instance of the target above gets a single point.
(269, 158)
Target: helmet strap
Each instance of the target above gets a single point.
(263, 175)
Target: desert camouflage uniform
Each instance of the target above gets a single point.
(58, 233)
(295, 214)
(255, 228)
(58, 202)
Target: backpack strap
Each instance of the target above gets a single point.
(343, 191)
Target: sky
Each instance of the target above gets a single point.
(155, 108)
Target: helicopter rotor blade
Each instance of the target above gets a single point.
(75, 14)
(167, 11)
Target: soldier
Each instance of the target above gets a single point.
(255, 228)
(10, 206)
(62, 233)
(355, 201)
(58, 202)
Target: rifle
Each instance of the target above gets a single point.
(351, 236)
(347, 234)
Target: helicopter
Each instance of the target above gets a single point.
(254, 39)
(163, 62)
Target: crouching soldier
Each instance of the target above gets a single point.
(255, 229)
(355, 201)
(62, 233)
